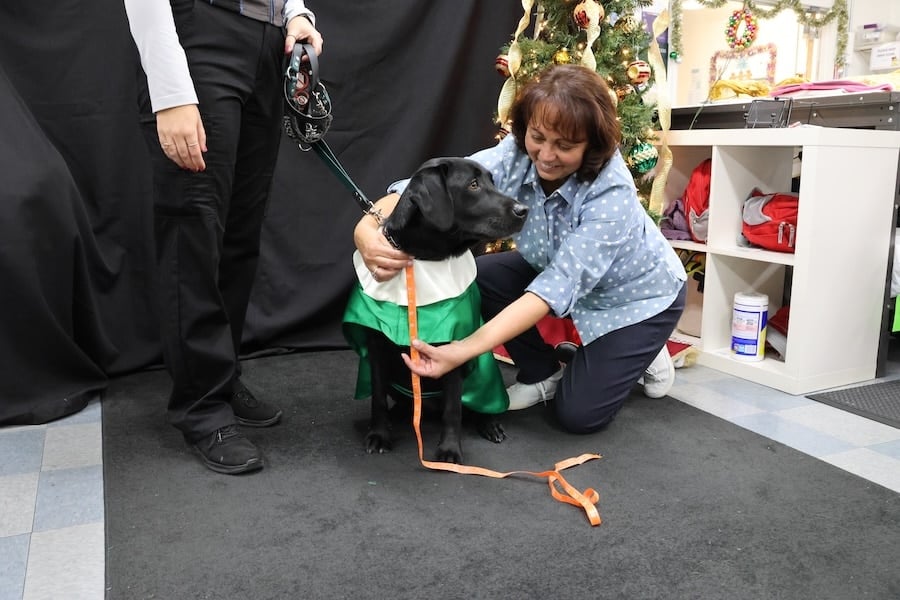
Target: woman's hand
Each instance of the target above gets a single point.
(182, 136)
(435, 361)
(300, 29)
(380, 257)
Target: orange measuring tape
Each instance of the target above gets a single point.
(560, 489)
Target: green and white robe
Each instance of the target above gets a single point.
(448, 307)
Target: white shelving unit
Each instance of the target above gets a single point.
(838, 274)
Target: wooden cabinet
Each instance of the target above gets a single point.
(836, 279)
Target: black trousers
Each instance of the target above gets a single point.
(601, 375)
(208, 225)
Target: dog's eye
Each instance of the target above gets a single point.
(473, 185)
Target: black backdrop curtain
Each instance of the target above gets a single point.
(409, 80)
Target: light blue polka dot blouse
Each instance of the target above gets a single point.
(600, 258)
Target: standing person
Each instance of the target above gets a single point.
(211, 115)
(588, 250)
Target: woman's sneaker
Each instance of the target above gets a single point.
(659, 376)
(250, 411)
(524, 395)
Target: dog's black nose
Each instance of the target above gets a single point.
(520, 210)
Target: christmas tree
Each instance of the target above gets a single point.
(608, 37)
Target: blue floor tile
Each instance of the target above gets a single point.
(759, 396)
(791, 434)
(891, 449)
(22, 450)
(68, 497)
(13, 561)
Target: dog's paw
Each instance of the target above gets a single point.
(449, 453)
(378, 443)
(491, 430)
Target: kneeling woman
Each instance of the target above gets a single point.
(588, 251)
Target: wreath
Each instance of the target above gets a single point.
(734, 23)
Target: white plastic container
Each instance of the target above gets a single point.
(748, 326)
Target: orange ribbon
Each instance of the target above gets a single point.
(587, 499)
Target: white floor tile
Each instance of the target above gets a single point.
(17, 499)
(851, 428)
(89, 414)
(73, 446)
(870, 465)
(66, 563)
(712, 402)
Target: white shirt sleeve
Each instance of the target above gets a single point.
(296, 8)
(162, 57)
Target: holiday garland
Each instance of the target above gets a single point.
(837, 13)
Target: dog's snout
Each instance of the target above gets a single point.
(520, 210)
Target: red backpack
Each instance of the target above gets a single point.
(770, 220)
(696, 201)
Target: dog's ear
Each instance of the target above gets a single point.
(427, 191)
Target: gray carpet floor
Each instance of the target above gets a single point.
(692, 507)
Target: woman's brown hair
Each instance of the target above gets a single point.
(575, 102)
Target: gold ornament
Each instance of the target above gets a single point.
(562, 57)
(624, 90)
(614, 96)
(627, 24)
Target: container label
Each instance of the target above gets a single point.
(748, 332)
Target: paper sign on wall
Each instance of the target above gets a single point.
(885, 56)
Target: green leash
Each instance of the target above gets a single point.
(335, 166)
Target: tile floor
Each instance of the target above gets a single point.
(51, 481)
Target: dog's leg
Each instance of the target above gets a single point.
(450, 447)
(378, 440)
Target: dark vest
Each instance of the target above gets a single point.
(269, 11)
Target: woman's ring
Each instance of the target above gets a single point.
(374, 273)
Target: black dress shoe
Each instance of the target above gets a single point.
(226, 450)
(250, 411)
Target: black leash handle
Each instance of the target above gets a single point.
(296, 69)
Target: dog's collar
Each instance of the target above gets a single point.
(388, 237)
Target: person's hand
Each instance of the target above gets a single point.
(299, 29)
(182, 136)
(436, 361)
(381, 258)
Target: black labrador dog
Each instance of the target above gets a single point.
(449, 206)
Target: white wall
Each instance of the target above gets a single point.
(861, 13)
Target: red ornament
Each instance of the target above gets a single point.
(501, 63)
(581, 16)
(638, 72)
